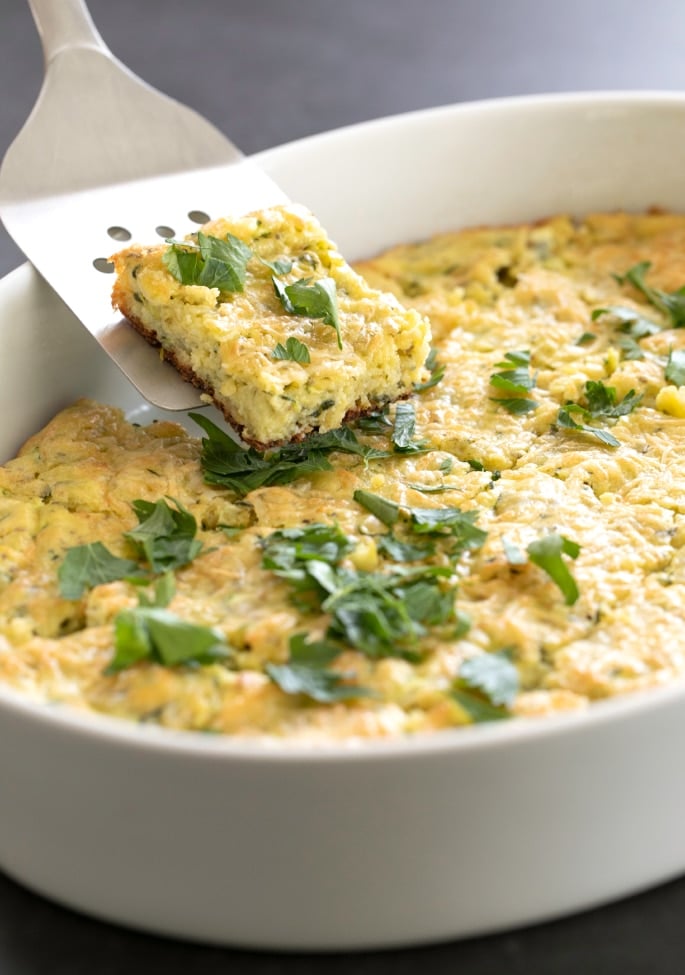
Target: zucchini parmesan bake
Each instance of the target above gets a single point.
(265, 316)
(506, 542)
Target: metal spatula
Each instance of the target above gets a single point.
(102, 159)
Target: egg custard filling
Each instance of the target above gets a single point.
(507, 542)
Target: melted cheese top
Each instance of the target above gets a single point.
(487, 292)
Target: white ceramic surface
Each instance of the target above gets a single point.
(380, 844)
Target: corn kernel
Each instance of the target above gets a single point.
(671, 399)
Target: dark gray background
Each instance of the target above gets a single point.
(268, 71)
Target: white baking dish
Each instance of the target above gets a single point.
(374, 844)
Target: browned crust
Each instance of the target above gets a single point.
(119, 300)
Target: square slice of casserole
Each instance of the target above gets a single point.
(265, 316)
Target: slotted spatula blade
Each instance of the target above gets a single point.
(104, 159)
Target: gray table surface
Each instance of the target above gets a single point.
(266, 72)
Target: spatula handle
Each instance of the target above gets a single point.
(64, 24)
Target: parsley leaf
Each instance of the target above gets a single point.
(437, 373)
(294, 350)
(317, 300)
(494, 674)
(211, 262)
(516, 405)
(376, 422)
(400, 551)
(165, 536)
(404, 429)
(379, 613)
(514, 377)
(165, 588)
(384, 614)
(672, 303)
(602, 405)
(85, 566)
(631, 321)
(227, 464)
(153, 633)
(566, 421)
(306, 672)
(630, 348)
(288, 550)
(513, 553)
(487, 686)
(515, 374)
(450, 523)
(281, 266)
(386, 511)
(675, 367)
(547, 553)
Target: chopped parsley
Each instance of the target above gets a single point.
(437, 373)
(630, 321)
(671, 303)
(566, 422)
(375, 422)
(150, 632)
(516, 405)
(513, 553)
(164, 539)
(85, 566)
(227, 464)
(602, 403)
(211, 261)
(630, 348)
(293, 350)
(307, 672)
(378, 613)
(514, 378)
(486, 686)
(674, 371)
(601, 406)
(547, 554)
(280, 267)
(451, 524)
(404, 429)
(164, 536)
(317, 300)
